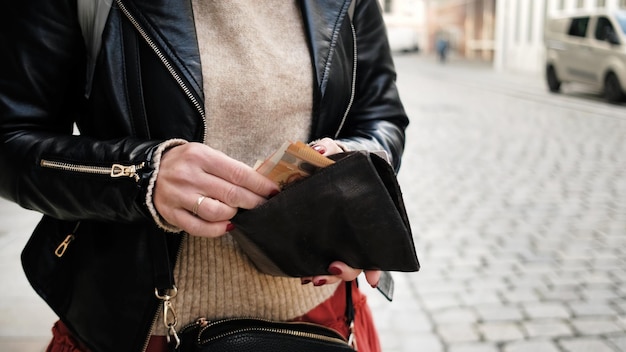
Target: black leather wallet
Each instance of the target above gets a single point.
(350, 211)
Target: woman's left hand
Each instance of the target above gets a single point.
(342, 271)
(339, 270)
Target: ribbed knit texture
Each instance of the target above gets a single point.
(258, 93)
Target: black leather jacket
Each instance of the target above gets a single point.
(147, 88)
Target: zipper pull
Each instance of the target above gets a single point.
(63, 246)
(118, 170)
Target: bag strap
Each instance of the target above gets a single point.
(350, 314)
(92, 16)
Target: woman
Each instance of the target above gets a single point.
(183, 98)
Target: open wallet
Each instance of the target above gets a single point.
(351, 211)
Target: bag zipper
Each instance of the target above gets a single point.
(204, 324)
(115, 171)
(278, 331)
(166, 63)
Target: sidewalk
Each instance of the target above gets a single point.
(25, 320)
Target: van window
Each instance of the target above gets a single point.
(578, 27)
(603, 28)
(621, 19)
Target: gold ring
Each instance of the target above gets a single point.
(197, 205)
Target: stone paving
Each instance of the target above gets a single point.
(517, 200)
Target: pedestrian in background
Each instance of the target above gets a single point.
(442, 49)
(181, 99)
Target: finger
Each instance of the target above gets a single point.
(322, 280)
(343, 271)
(373, 277)
(339, 271)
(239, 174)
(210, 209)
(196, 226)
(234, 195)
(326, 146)
(230, 194)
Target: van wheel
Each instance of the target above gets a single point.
(612, 89)
(553, 81)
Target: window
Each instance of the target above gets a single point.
(387, 6)
(604, 28)
(578, 27)
(621, 19)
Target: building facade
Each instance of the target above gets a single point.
(508, 33)
(467, 25)
(519, 42)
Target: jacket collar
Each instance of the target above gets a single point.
(322, 20)
(170, 24)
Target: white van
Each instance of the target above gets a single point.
(588, 48)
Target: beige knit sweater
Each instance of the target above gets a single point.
(258, 93)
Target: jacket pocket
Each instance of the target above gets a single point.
(48, 259)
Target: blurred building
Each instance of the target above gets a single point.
(406, 24)
(508, 33)
(466, 25)
(519, 29)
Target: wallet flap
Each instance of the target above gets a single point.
(351, 211)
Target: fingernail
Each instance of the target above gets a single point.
(319, 148)
(230, 227)
(304, 282)
(320, 283)
(335, 270)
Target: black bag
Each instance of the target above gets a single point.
(257, 335)
(350, 211)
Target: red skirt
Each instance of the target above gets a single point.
(330, 313)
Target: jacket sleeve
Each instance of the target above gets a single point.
(44, 165)
(377, 120)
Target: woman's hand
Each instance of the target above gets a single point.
(199, 189)
(339, 270)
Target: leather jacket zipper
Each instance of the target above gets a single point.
(198, 106)
(353, 86)
(62, 247)
(115, 171)
(168, 65)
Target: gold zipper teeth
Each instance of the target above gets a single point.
(76, 168)
(278, 331)
(115, 171)
(165, 62)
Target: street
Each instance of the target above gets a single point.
(517, 199)
(517, 202)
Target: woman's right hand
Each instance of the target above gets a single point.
(191, 171)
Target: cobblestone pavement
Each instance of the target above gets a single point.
(517, 200)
